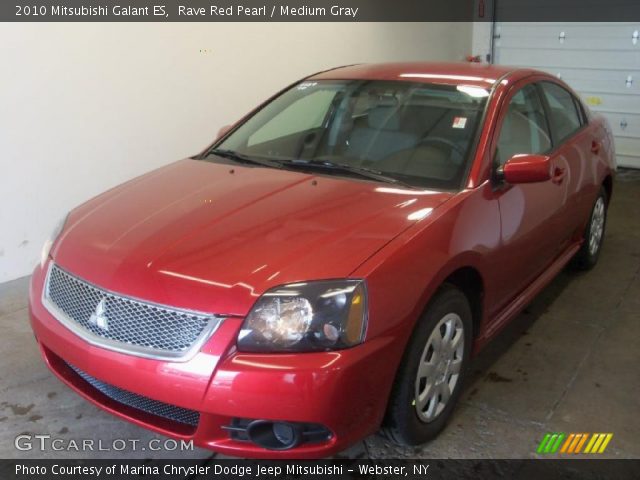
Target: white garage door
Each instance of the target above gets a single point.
(601, 61)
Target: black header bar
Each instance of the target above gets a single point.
(319, 10)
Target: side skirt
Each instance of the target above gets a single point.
(528, 294)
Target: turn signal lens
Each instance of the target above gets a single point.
(356, 319)
(46, 248)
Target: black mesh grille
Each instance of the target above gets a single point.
(140, 402)
(122, 319)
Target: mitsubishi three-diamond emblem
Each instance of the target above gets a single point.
(99, 318)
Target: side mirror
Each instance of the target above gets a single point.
(224, 130)
(527, 168)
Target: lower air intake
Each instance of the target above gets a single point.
(140, 402)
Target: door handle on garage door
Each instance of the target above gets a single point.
(558, 175)
(595, 147)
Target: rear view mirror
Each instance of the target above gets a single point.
(223, 131)
(527, 168)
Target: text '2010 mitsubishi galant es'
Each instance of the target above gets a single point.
(329, 265)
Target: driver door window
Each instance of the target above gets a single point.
(524, 128)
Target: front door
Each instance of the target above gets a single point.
(532, 214)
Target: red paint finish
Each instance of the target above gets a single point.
(195, 235)
(526, 168)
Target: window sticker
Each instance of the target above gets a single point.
(459, 122)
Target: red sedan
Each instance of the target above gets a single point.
(330, 264)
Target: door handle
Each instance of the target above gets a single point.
(558, 175)
(595, 147)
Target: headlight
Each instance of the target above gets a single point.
(46, 248)
(305, 317)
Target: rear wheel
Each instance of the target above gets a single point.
(587, 256)
(432, 371)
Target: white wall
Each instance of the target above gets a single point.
(481, 39)
(84, 107)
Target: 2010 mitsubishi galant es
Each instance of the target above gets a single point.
(329, 265)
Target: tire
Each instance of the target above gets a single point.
(587, 256)
(409, 420)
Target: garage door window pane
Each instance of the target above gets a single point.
(565, 119)
(524, 128)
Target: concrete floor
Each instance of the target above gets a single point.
(569, 363)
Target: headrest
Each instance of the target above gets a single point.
(384, 118)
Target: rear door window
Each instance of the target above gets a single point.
(564, 115)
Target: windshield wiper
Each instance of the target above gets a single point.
(240, 158)
(309, 164)
(341, 167)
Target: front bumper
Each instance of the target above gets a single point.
(344, 391)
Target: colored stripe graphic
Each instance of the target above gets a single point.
(543, 443)
(598, 442)
(581, 442)
(556, 445)
(606, 442)
(567, 443)
(550, 443)
(573, 443)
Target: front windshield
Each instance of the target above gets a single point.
(417, 133)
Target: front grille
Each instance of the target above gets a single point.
(124, 324)
(140, 402)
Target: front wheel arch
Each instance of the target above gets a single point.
(401, 423)
(470, 282)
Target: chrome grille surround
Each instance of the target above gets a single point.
(135, 327)
(140, 402)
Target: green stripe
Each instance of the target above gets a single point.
(543, 443)
(558, 442)
(547, 448)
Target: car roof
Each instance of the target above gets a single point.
(462, 73)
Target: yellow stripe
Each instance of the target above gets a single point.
(574, 443)
(567, 442)
(598, 442)
(606, 442)
(591, 442)
(584, 439)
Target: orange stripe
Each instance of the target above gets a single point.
(567, 442)
(574, 443)
(584, 439)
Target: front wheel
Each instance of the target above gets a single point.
(587, 256)
(430, 377)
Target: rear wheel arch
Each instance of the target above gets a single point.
(607, 183)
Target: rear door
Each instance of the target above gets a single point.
(575, 150)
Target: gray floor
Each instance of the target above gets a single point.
(569, 363)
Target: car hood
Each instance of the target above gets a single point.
(212, 237)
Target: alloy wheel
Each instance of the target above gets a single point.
(597, 226)
(439, 368)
